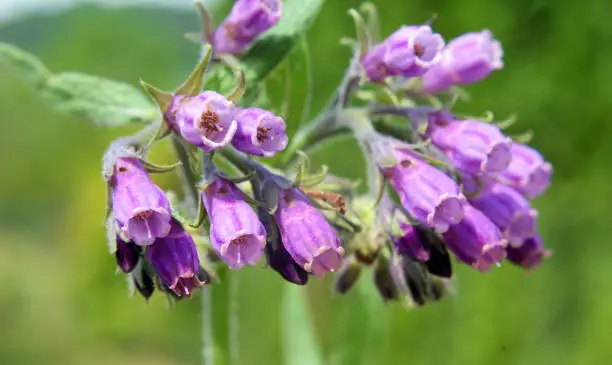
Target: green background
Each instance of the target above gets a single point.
(62, 303)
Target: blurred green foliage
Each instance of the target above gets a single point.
(61, 302)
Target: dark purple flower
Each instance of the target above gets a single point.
(475, 147)
(207, 120)
(465, 60)
(175, 259)
(259, 133)
(127, 255)
(306, 235)
(528, 173)
(529, 254)
(140, 207)
(246, 21)
(410, 243)
(236, 232)
(408, 52)
(476, 240)
(429, 195)
(509, 210)
(280, 260)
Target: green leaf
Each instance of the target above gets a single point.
(35, 72)
(272, 48)
(105, 102)
(299, 343)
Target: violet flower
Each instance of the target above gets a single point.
(245, 22)
(427, 194)
(408, 52)
(476, 240)
(465, 60)
(259, 133)
(307, 236)
(175, 259)
(206, 120)
(235, 230)
(528, 173)
(140, 207)
(530, 254)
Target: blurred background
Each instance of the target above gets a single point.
(61, 301)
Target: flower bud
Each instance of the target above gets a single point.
(127, 255)
(384, 280)
(475, 147)
(410, 243)
(465, 60)
(236, 233)
(307, 236)
(429, 195)
(408, 52)
(476, 240)
(530, 254)
(140, 207)
(143, 282)
(347, 276)
(528, 173)
(245, 22)
(175, 259)
(259, 132)
(206, 120)
(509, 210)
(439, 262)
(280, 260)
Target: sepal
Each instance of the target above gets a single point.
(193, 85)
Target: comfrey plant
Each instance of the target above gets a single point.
(441, 186)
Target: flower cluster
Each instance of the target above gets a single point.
(451, 184)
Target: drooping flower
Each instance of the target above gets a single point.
(236, 233)
(127, 255)
(529, 254)
(465, 60)
(140, 207)
(428, 194)
(476, 240)
(475, 147)
(175, 259)
(410, 243)
(259, 133)
(509, 210)
(245, 22)
(528, 173)
(408, 52)
(206, 120)
(307, 236)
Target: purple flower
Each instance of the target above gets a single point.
(246, 21)
(465, 60)
(410, 243)
(427, 194)
(175, 259)
(280, 260)
(235, 230)
(528, 173)
(509, 210)
(471, 146)
(306, 235)
(259, 133)
(206, 120)
(127, 255)
(530, 254)
(140, 207)
(408, 52)
(476, 240)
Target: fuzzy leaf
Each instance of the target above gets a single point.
(272, 48)
(35, 72)
(104, 102)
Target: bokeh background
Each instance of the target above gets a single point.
(61, 301)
